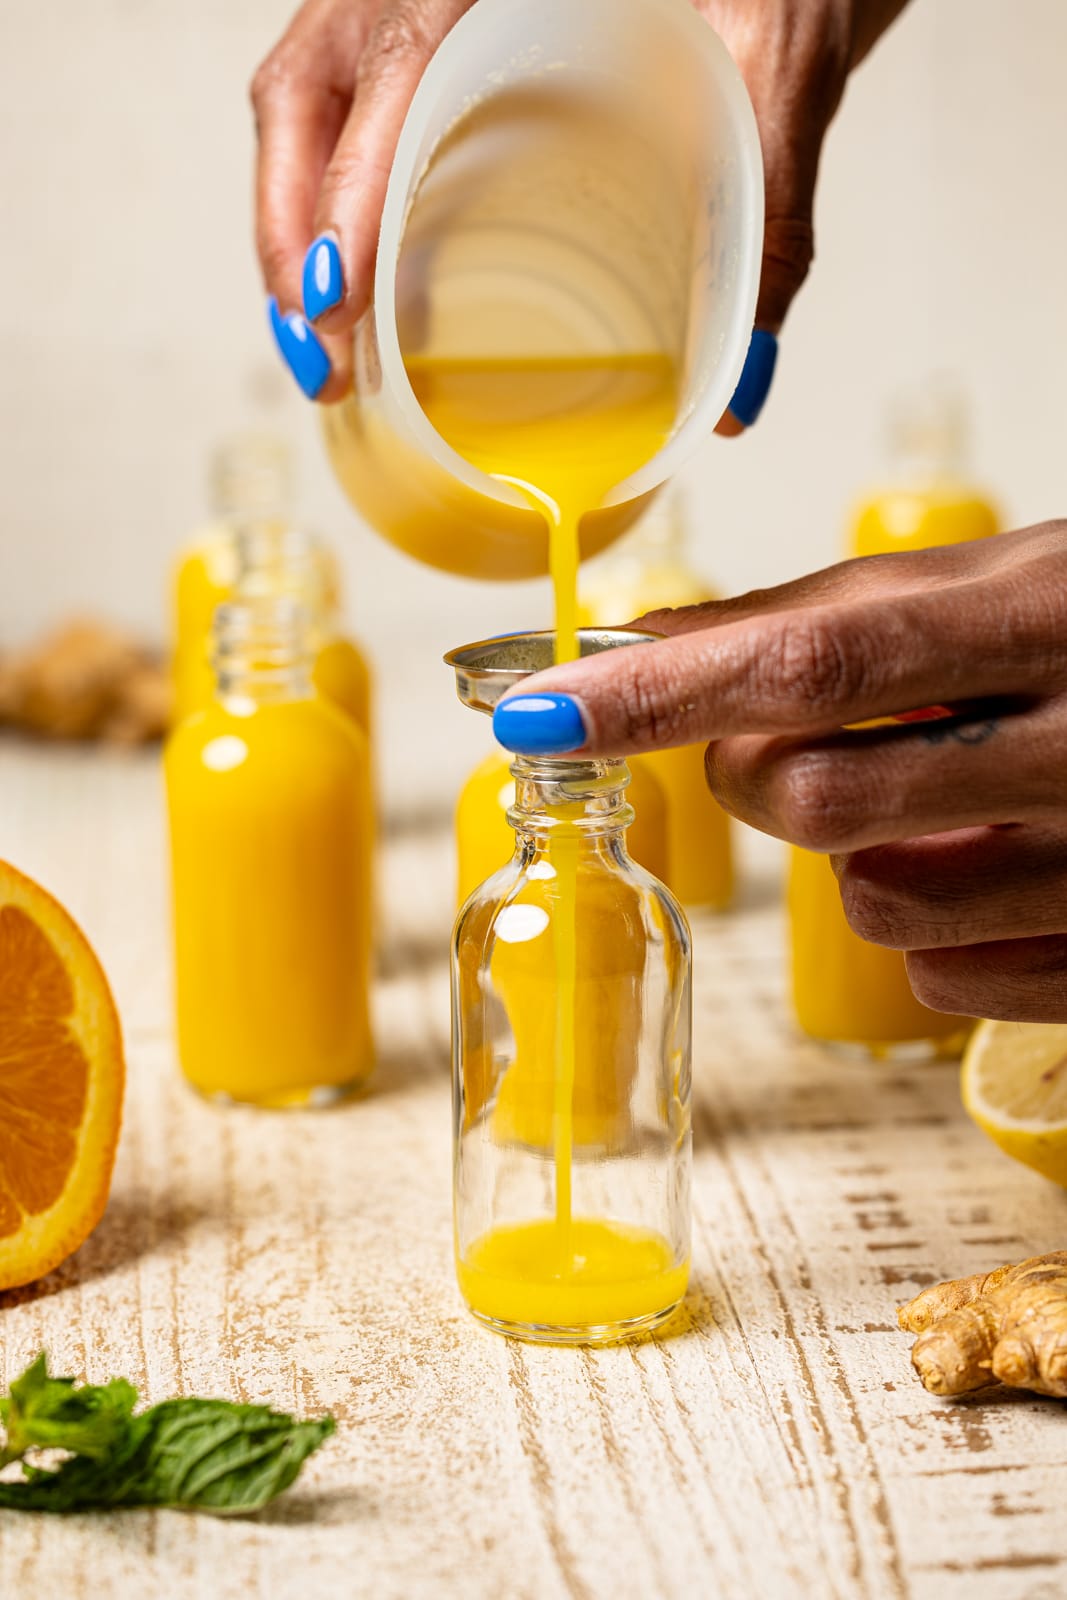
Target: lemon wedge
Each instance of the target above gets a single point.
(1014, 1084)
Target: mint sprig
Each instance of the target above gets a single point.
(205, 1455)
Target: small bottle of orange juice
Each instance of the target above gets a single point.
(271, 830)
(250, 548)
(249, 474)
(650, 569)
(275, 558)
(844, 989)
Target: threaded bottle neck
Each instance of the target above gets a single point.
(928, 435)
(251, 474)
(587, 798)
(262, 650)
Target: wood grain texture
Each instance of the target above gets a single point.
(778, 1445)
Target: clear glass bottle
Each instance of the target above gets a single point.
(484, 840)
(271, 834)
(571, 1073)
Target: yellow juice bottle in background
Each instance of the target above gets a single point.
(252, 547)
(249, 474)
(647, 571)
(485, 841)
(275, 558)
(928, 498)
(844, 989)
(271, 830)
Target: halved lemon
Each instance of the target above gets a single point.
(1014, 1083)
(61, 1082)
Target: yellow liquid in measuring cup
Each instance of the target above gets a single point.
(564, 433)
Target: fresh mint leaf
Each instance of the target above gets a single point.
(50, 1413)
(208, 1455)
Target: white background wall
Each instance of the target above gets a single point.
(133, 335)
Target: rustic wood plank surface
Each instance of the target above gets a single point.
(776, 1445)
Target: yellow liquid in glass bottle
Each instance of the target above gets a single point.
(271, 825)
(207, 576)
(844, 989)
(564, 433)
(203, 580)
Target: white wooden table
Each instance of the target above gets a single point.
(777, 1446)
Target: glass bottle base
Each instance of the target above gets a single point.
(897, 1052)
(582, 1280)
(313, 1097)
(578, 1333)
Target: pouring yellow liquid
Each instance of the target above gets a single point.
(563, 432)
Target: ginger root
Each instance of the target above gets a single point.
(1007, 1326)
(85, 680)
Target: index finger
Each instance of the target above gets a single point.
(301, 95)
(801, 671)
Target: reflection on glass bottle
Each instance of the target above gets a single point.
(271, 832)
(647, 571)
(571, 1059)
(845, 990)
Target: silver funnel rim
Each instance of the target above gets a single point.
(487, 669)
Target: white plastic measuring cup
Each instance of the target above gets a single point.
(574, 178)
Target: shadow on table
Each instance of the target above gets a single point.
(327, 1508)
(132, 1225)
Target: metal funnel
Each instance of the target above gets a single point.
(487, 670)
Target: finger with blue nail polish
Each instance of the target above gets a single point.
(754, 384)
(301, 349)
(539, 724)
(324, 279)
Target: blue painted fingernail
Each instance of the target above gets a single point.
(301, 349)
(324, 279)
(755, 381)
(539, 724)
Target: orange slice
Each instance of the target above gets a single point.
(61, 1082)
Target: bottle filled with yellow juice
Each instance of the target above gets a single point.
(249, 475)
(649, 570)
(271, 830)
(571, 1028)
(844, 989)
(253, 548)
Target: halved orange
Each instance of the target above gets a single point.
(61, 1082)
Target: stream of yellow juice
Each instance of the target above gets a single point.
(563, 432)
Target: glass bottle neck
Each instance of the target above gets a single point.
(262, 653)
(274, 558)
(583, 799)
(251, 475)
